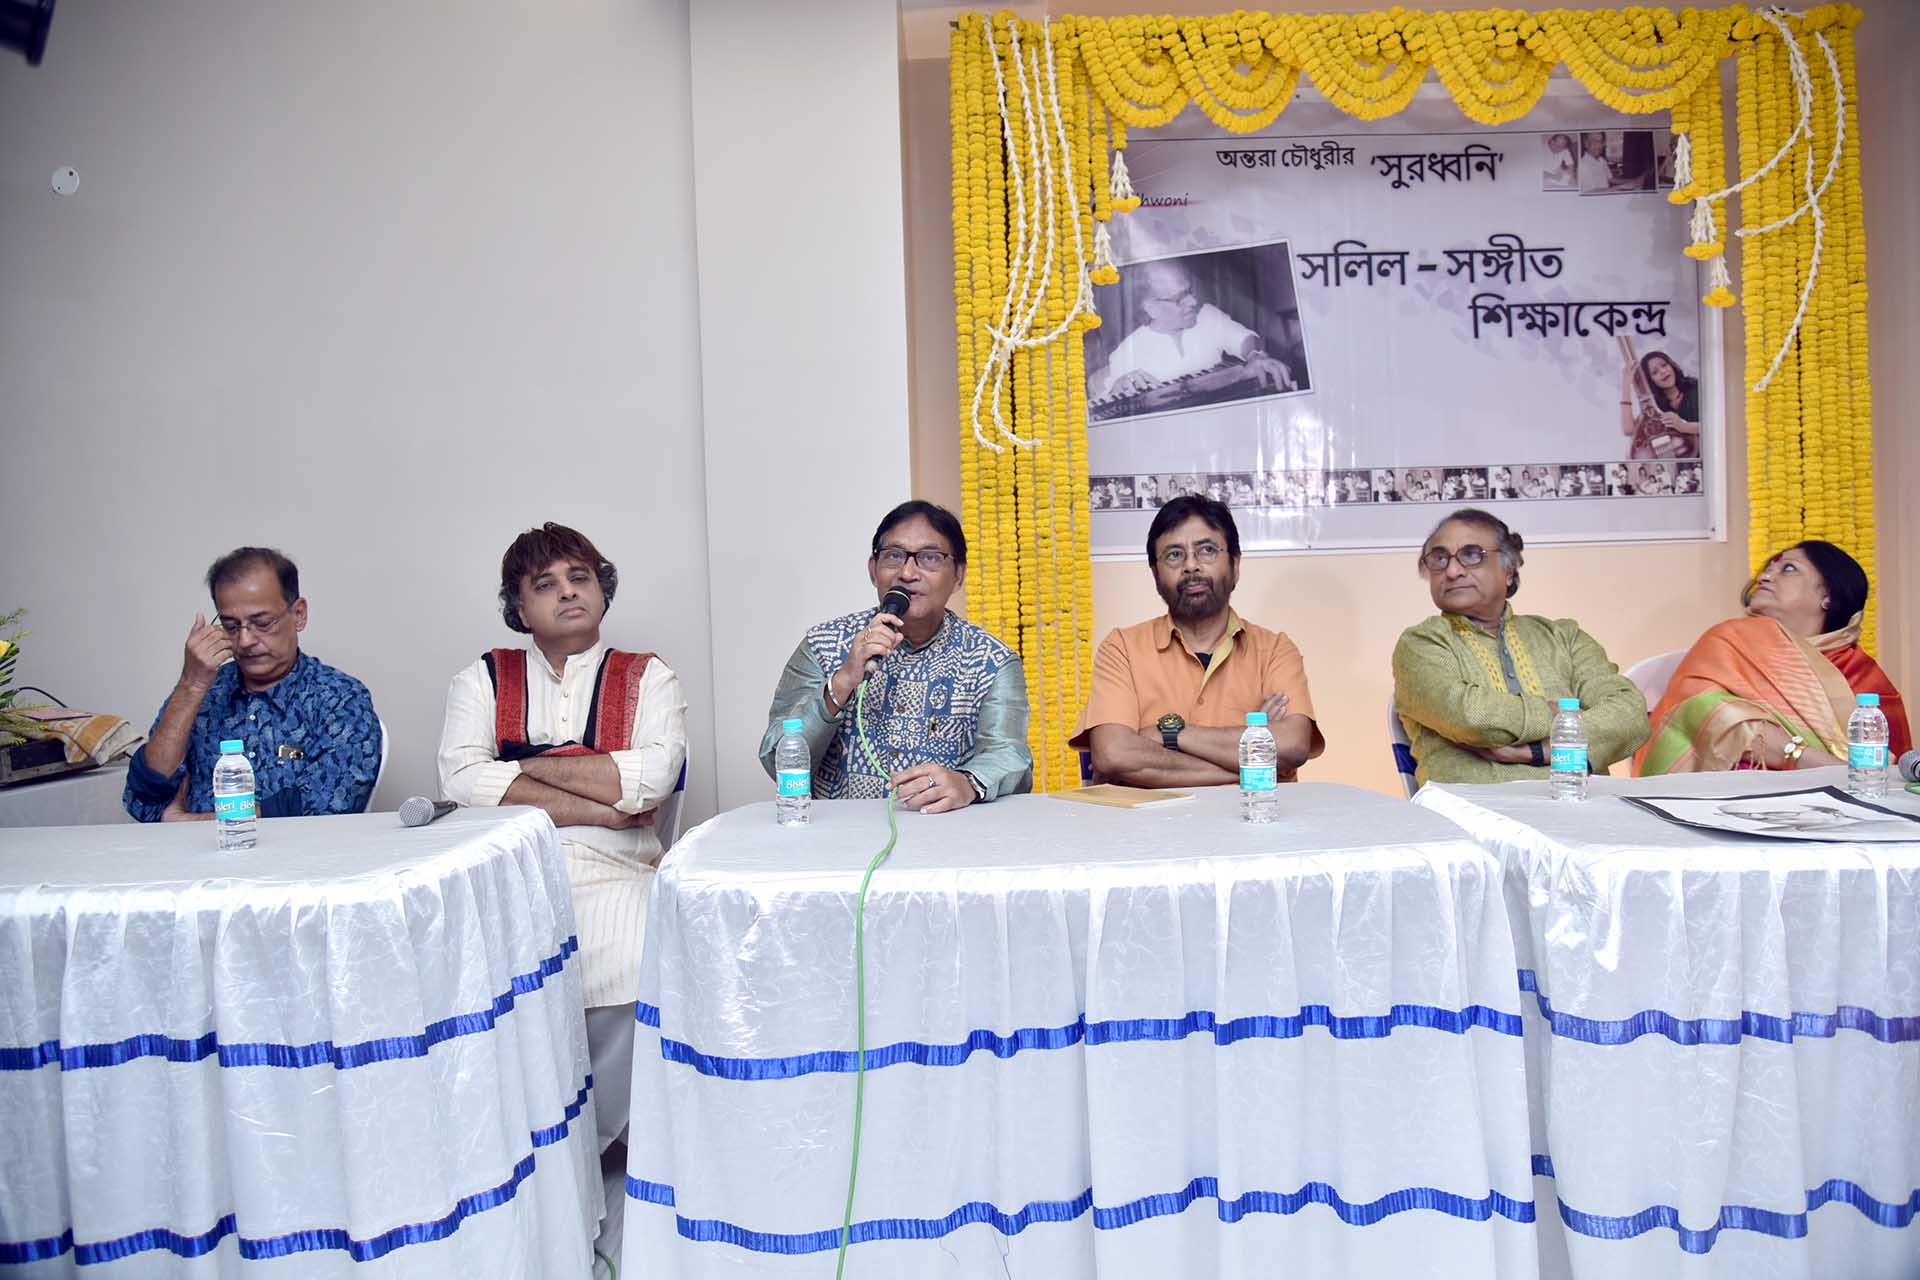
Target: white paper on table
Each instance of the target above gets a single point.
(1818, 813)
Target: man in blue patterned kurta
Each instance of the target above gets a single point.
(946, 708)
(310, 731)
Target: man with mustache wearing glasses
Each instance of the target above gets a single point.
(310, 731)
(1171, 694)
(946, 705)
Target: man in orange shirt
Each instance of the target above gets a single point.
(1171, 694)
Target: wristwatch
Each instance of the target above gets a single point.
(1170, 726)
(979, 790)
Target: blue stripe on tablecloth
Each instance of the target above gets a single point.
(980, 1212)
(1690, 1031)
(1735, 1217)
(1732, 1217)
(261, 1054)
(256, 1248)
(1106, 1031)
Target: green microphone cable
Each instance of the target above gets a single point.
(860, 978)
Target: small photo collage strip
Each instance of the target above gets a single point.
(1650, 479)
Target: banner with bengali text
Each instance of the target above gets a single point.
(1342, 330)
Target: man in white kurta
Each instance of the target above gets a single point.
(531, 726)
(1182, 335)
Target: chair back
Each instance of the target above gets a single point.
(1403, 761)
(666, 819)
(1653, 674)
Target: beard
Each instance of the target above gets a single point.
(1191, 608)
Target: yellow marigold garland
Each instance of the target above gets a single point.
(1809, 433)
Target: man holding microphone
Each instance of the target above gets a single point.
(946, 705)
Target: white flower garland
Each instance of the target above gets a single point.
(1704, 228)
(1032, 239)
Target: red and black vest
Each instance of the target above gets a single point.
(610, 717)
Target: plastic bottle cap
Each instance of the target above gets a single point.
(1868, 700)
(231, 745)
(791, 726)
(1256, 717)
(1569, 704)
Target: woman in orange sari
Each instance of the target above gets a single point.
(1773, 690)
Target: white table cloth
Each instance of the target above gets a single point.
(357, 1050)
(1148, 1043)
(1723, 1033)
(89, 797)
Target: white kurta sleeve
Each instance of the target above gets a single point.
(650, 767)
(470, 771)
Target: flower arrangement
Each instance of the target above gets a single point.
(1040, 113)
(14, 727)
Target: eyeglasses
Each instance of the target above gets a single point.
(1203, 553)
(929, 559)
(1437, 559)
(259, 626)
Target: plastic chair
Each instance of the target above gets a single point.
(666, 819)
(1403, 761)
(1653, 674)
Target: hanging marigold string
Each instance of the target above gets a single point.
(1040, 119)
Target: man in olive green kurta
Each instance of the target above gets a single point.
(1477, 685)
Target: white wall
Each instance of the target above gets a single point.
(797, 176)
(379, 284)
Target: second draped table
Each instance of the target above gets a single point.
(1101, 1042)
(1723, 1033)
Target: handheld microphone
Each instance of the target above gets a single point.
(895, 602)
(418, 811)
(1909, 766)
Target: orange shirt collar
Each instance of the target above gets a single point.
(1163, 631)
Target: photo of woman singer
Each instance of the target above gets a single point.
(1676, 403)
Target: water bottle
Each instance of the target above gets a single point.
(793, 766)
(1867, 748)
(233, 808)
(1259, 772)
(1568, 753)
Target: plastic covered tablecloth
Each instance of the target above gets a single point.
(1723, 1033)
(357, 1050)
(1152, 1042)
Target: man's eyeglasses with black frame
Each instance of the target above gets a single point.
(1437, 559)
(930, 559)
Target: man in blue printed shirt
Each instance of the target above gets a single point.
(311, 734)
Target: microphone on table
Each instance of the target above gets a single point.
(895, 602)
(1909, 766)
(418, 811)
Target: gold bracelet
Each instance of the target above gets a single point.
(1795, 748)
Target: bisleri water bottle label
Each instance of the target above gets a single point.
(1867, 755)
(233, 808)
(1569, 759)
(1258, 777)
(795, 782)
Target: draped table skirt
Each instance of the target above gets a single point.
(1722, 1033)
(1152, 1042)
(356, 1050)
